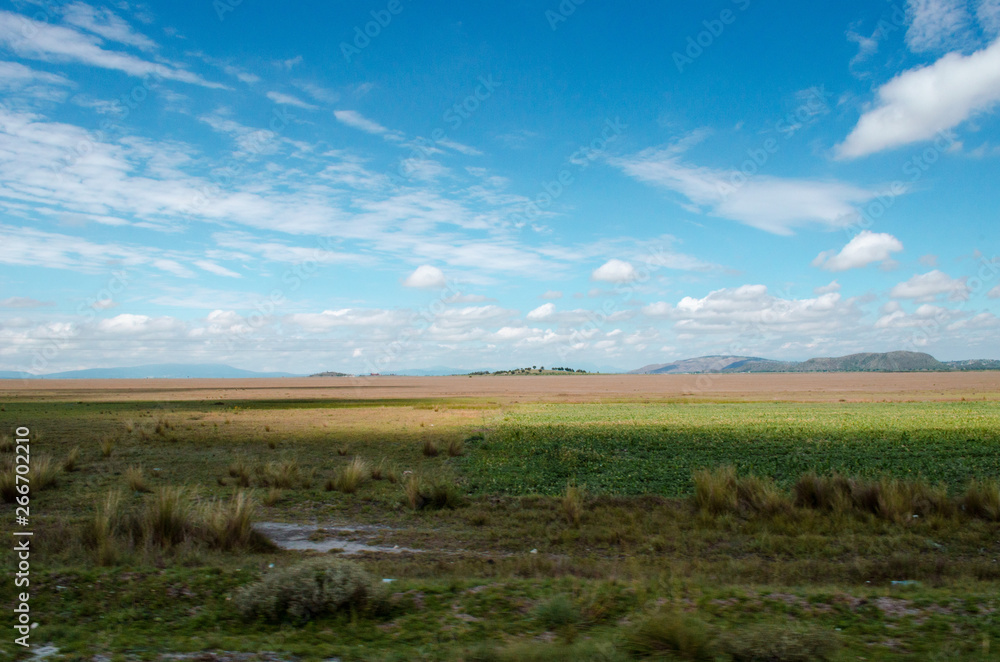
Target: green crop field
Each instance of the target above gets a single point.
(632, 449)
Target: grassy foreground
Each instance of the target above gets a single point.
(543, 531)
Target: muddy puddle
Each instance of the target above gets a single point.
(326, 537)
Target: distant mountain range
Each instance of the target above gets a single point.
(157, 371)
(866, 362)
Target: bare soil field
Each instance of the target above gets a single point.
(812, 387)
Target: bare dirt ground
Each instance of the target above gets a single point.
(812, 387)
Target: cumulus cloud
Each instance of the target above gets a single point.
(827, 289)
(551, 295)
(542, 312)
(920, 103)
(614, 271)
(864, 249)
(733, 310)
(426, 277)
(929, 286)
(994, 293)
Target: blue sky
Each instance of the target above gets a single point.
(390, 185)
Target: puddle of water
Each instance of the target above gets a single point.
(303, 537)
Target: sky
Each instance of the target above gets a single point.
(389, 185)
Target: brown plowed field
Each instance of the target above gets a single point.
(811, 387)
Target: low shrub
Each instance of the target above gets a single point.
(430, 448)
(671, 635)
(311, 589)
(559, 612)
(433, 493)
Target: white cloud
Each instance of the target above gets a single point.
(936, 25)
(614, 271)
(348, 317)
(920, 103)
(768, 203)
(467, 298)
(929, 286)
(865, 248)
(988, 13)
(752, 310)
(356, 120)
(659, 309)
(551, 295)
(426, 277)
(24, 302)
(216, 269)
(289, 100)
(827, 289)
(105, 23)
(542, 312)
(994, 293)
(55, 43)
(15, 74)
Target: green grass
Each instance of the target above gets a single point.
(559, 532)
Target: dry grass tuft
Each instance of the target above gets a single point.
(136, 479)
(982, 499)
(107, 446)
(350, 477)
(72, 458)
(572, 504)
(44, 472)
(715, 490)
(456, 447)
(430, 448)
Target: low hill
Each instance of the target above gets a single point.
(874, 362)
(865, 362)
(715, 363)
(156, 371)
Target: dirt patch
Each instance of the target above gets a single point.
(808, 387)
